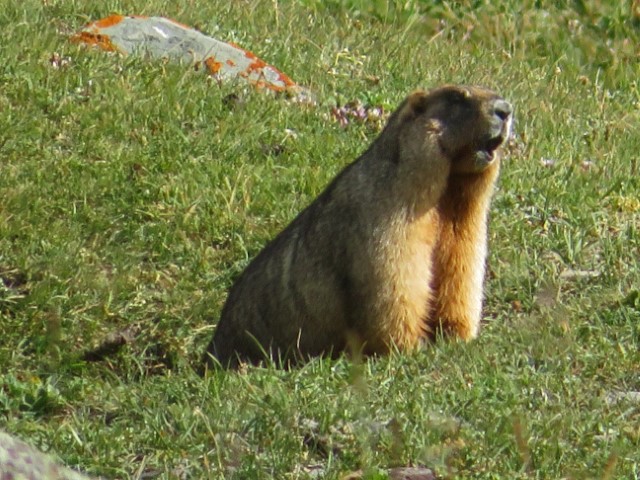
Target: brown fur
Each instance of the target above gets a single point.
(391, 251)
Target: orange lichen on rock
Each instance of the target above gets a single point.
(286, 80)
(257, 64)
(91, 34)
(96, 39)
(109, 21)
(213, 66)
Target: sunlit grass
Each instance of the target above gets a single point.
(132, 194)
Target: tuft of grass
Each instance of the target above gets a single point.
(133, 194)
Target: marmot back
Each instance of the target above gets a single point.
(391, 251)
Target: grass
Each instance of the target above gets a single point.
(132, 195)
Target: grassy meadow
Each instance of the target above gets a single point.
(133, 191)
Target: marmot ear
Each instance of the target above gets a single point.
(418, 102)
(414, 105)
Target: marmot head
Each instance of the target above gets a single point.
(470, 124)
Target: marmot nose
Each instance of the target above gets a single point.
(502, 109)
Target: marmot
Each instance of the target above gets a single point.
(392, 251)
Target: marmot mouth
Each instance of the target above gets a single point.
(485, 153)
(492, 144)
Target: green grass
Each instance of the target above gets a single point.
(132, 195)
